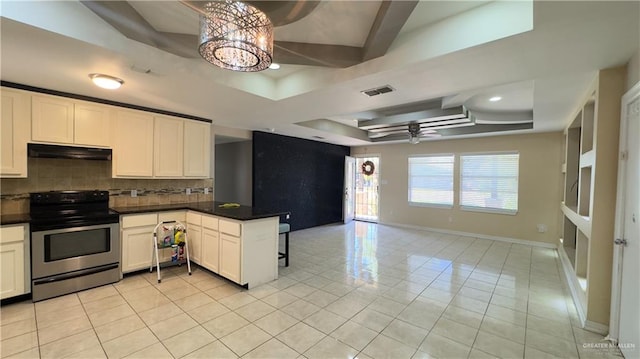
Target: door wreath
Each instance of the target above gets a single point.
(367, 168)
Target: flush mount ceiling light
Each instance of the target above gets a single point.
(495, 99)
(274, 66)
(236, 36)
(414, 133)
(106, 81)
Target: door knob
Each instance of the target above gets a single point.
(620, 242)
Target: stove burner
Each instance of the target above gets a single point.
(67, 209)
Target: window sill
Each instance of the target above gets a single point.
(489, 210)
(431, 205)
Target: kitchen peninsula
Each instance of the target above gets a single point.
(240, 243)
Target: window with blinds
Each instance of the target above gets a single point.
(489, 182)
(431, 180)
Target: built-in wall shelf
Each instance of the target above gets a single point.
(590, 171)
(587, 159)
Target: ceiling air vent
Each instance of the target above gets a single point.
(378, 91)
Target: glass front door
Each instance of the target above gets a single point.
(367, 188)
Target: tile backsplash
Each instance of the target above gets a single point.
(51, 174)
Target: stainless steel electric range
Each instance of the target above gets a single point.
(75, 242)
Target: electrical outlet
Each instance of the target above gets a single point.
(542, 228)
(134, 193)
(188, 191)
(206, 190)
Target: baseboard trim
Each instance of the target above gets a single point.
(568, 277)
(476, 235)
(596, 327)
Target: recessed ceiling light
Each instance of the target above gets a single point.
(495, 98)
(106, 81)
(274, 66)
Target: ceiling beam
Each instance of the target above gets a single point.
(299, 53)
(124, 18)
(389, 20)
(430, 115)
(387, 25)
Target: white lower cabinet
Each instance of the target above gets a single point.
(15, 265)
(210, 243)
(136, 236)
(230, 256)
(136, 248)
(211, 250)
(194, 236)
(245, 252)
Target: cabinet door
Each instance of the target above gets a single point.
(197, 149)
(168, 147)
(51, 119)
(210, 250)
(194, 241)
(133, 144)
(137, 248)
(91, 125)
(12, 269)
(230, 257)
(15, 131)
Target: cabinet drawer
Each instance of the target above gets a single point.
(172, 216)
(232, 228)
(12, 234)
(210, 222)
(194, 218)
(140, 220)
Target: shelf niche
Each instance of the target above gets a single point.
(569, 240)
(584, 201)
(573, 162)
(587, 125)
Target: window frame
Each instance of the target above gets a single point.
(453, 189)
(487, 209)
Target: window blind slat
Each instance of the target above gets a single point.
(431, 180)
(490, 181)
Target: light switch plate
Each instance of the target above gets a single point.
(188, 191)
(134, 193)
(206, 190)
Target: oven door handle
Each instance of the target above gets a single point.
(75, 274)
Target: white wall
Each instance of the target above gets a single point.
(540, 191)
(633, 70)
(233, 181)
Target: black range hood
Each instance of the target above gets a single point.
(55, 151)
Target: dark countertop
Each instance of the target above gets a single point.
(242, 213)
(7, 219)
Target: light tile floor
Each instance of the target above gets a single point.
(360, 289)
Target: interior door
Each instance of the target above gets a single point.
(628, 227)
(349, 207)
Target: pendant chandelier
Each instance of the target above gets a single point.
(236, 36)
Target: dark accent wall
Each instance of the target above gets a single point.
(233, 172)
(301, 176)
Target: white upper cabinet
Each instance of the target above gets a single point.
(51, 119)
(67, 121)
(197, 149)
(168, 146)
(15, 132)
(133, 144)
(92, 125)
(145, 145)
